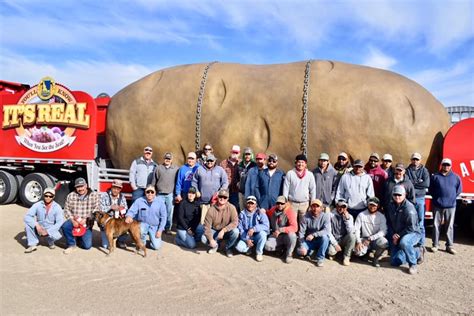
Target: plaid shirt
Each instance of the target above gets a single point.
(106, 201)
(81, 207)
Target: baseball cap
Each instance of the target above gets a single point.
(324, 156)
(168, 155)
(359, 163)
(446, 161)
(375, 155)
(343, 154)
(301, 157)
(261, 156)
(248, 150)
(150, 187)
(399, 166)
(373, 200)
(117, 183)
(251, 198)
(79, 182)
(78, 231)
(50, 191)
(387, 157)
(273, 156)
(235, 149)
(341, 202)
(317, 202)
(211, 157)
(192, 190)
(399, 189)
(223, 192)
(148, 149)
(192, 154)
(281, 199)
(416, 156)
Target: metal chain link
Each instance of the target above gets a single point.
(304, 119)
(202, 89)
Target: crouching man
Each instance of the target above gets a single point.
(342, 236)
(406, 231)
(313, 235)
(220, 224)
(151, 213)
(44, 219)
(283, 228)
(189, 231)
(253, 228)
(370, 231)
(113, 203)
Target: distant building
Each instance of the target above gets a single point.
(459, 113)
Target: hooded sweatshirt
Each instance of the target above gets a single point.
(355, 189)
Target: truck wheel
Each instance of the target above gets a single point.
(8, 187)
(32, 188)
(62, 193)
(19, 180)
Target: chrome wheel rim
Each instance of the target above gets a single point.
(33, 191)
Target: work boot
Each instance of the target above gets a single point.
(52, 246)
(376, 263)
(346, 261)
(421, 259)
(413, 270)
(30, 249)
(69, 250)
(451, 250)
(229, 253)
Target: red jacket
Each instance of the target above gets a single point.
(378, 176)
(291, 225)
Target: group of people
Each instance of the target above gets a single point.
(248, 203)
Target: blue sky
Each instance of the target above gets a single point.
(102, 46)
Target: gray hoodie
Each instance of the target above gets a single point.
(325, 183)
(355, 189)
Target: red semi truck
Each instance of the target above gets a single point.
(50, 136)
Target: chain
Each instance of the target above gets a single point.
(202, 89)
(304, 119)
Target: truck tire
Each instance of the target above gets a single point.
(32, 188)
(19, 180)
(62, 193)
(8, 187)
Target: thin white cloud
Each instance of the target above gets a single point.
(378, 59)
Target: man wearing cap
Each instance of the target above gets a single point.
(420, 178)
(78, 209)
(342, 236)
(314, 231)
(209, 179)
(221, 224)
(151, 213)
(370, 230)
(188, 229)
(252, 175)
(253, 229)
(376, 173)
(342, 166)
(269, 183)
(231, 168)
(283, 228)
(185, 175)
(355, 187)
(299, 186)
(387, 164)
(164, 181)
(141, 173)
(206, 151)
(324, 176)
(398, 178)
(405, 231)
(43, 219)
(245, 165)
(445, 187)
(113, 202)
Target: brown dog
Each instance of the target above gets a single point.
(115, 227)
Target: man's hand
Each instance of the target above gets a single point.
(395, 239)
(310, 237)
(276, 233)
(190, 232)
(74, 223)
(128, 220)
(249, 243)
(213, 244)
(337, 247)
(366, 242)
(115, 207)
(41, 230)
(158, 234)
(358, 247)
(178, 199)
(221, 235)
(250, 232)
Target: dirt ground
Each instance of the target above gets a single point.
(175, 281)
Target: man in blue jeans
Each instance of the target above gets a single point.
(164, 180)
(254, 228)
(405, 230)
(78, 210)
(151, 213)
(188, 229)
(313, 235)
(420, 177)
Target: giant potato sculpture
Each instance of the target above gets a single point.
(350, 108)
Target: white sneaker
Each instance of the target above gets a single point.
(212, 250)
(30, 249)
(69, 250)
(259, 258)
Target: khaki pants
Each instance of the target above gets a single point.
(204, 209)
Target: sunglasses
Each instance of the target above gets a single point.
(445, 164)
(279, 203)
(342, 206)
(271, 160)
(210, 161)
(397, 194)
(49, 196)
(150, 192)
(415, 159)
(207, 149)
(387, 160)
(250, 202)
(223, 197)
